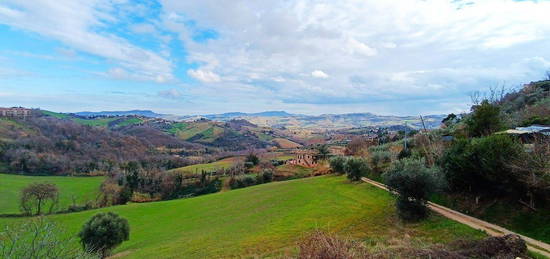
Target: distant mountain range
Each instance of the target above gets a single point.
(282, 119)
(144, 113)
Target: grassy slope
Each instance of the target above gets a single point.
(83, 188)
(209, 167)
(263, 220)
(285, 143)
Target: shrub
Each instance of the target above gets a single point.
(103, 232)
(480, 165)
(267, 175)
(241, 182)
(252, 159)
(338, 164)
(485, 120)
(37, 195)
(379, 160)
(356, 168)
(413, 182)
(320, 245)
(405, 152)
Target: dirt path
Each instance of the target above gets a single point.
(491, 229)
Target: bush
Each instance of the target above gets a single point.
(480, 165)
(252, 159)
(485, 120)
(337, 164)
(413, 182)
(103, 232)
(266, 176)
(405, 152)
(379, 160)
(241, 182)
(356, 168)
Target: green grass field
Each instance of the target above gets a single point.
(82, 188)
(209, 167)
(263, 220)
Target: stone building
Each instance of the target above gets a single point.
(305, 159)
(15, 112)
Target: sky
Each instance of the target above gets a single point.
(303, 56)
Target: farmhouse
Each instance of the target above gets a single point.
(303, 158)
(15, 112)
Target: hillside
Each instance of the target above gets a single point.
(50, 145)
(265, 220)
(232, 135)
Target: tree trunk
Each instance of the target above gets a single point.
(38, 206)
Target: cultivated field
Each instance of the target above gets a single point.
(81, 188)
(265, 220)
(209, 167)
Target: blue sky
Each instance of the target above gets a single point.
(308, 56)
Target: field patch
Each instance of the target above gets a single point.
(81, 188)
(285, 143)
(209, 167)
(264, 220)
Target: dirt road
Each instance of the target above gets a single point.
(491, 229)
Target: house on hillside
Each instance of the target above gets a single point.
(305, 159)
(15, 112)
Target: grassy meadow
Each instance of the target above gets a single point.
(264, 220)
(210, 167)
(81, 188)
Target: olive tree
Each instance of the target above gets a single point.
(103, 232)
(413, 182)
(356, 168)
(337, 164)
(37, 195)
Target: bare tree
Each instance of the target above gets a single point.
(548, 75)
(39, 238)
(36, 195)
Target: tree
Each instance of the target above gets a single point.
(252, 159)
(37, 195)
(323, 152)
(337, 164)
(484, 120)
(356, 168)
(413, 182)
(38, 239)
(450, 119)
(103, 232)
(481, 165)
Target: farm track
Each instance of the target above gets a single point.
(491, 229)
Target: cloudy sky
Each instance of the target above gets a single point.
(303, 56)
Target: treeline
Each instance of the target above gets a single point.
(470, 160)
(50, 146)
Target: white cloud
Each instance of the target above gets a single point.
(319, 74)
(380, 50)
(78, 24)
(171, 94)
(204, 75)
(357, 47)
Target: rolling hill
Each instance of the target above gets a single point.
(264, 220)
